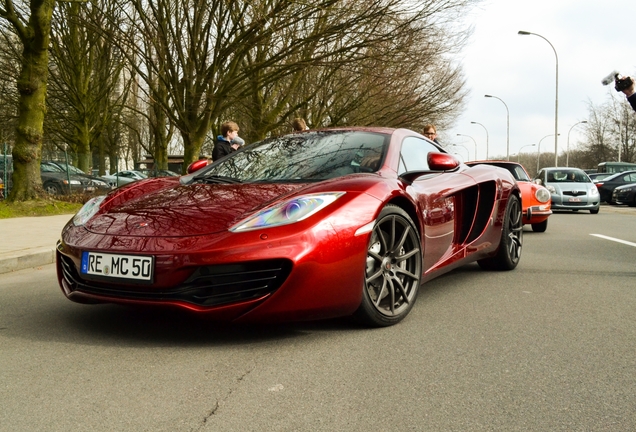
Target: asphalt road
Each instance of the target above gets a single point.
(547, 347)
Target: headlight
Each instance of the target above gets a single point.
(593, 191)
(551, 189)
(542, 195)
(99, 183)
(73, 182)
(288, 212)
(88, 210)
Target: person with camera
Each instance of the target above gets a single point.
(630, 93)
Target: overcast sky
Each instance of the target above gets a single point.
(591, 39)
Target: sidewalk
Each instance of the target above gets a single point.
(29, 241)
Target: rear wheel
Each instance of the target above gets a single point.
(509, 251)
(540, 227)
(393, 269)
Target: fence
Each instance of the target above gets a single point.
(6, 171)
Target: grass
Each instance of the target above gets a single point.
(43, 207)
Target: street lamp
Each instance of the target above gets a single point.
(527, 145)
(567, 152)
(507, 125)
(539, 150)
(556, 98)
(465, 148)
(473, 142)
(472, 122)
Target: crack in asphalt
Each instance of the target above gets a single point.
(217, 403)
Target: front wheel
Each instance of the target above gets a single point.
(509, 251)
(52, 189)
(393, 269)
(594, 211)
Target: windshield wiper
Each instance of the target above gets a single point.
(216, 179)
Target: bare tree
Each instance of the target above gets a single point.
(218, 58)
(87, 88)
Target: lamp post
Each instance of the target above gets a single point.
(472, 122)
(567, 152)
(475, 142)
(465, 148)
(507, 125)
(556, 97)
(539, 150)
(527, 145)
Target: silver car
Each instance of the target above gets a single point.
(571, 189)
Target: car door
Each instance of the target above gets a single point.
(435, 194)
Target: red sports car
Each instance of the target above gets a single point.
(536, 200)
(318, 224)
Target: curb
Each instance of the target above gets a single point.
(27, 259)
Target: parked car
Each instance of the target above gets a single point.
(535, 199)
(124, 177)
(570, 189)
(595, 177)
(56, 181)
(318, 224)
(625, 194)
(607, 185)
(97, 183)
(159, 173)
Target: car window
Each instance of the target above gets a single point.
(310, 156)
(414, 154)
(46, 167)
(567, 176)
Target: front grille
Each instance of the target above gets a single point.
(575, 204)
(207, 286)
(575, 193)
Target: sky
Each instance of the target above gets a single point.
(591, 39)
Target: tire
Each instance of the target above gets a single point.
(510, 245)
(594, 211)
(540, 227)
(393, 269)
(52, 189)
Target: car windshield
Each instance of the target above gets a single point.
(72, 169)
(310, 156)
(47, 167)
(567, 176)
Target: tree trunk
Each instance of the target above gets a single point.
(27, 152)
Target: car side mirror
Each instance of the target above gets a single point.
(441, 161)
(538, 181)
(197, 165)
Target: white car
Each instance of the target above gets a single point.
(124, 177)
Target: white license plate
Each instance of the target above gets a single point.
(133, 267)
(574, 200)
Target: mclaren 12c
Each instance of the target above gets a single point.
(317, 224)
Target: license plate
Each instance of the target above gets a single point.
(574, 200)
(134, 267)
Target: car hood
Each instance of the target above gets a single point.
(568, 186)
(182, 210)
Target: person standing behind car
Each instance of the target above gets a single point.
(299, 124)
(430, 132)
(223, 145)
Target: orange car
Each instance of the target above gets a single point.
(535, 199)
